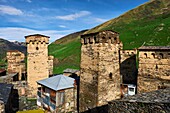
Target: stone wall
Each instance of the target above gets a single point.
(154, 69)
(152, 102)
(50, 64)
(16, 62)
(70, 100)
(99, 75)
(37, 61)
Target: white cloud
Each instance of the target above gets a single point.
(15, 33)
(62, 26)
(74, 16)
(10, 10)
(100, 20)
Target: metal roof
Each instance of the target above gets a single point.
(57, 82)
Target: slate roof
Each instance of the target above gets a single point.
(68, 70)
(37, 35)
(5, 90)
(57, 82)
(154, 48)
(158, 96)
(94, 33)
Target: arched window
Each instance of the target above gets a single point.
(153, 54)
(145, 55)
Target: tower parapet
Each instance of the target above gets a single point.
(109, 37)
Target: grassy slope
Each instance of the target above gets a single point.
(67, 51)
(148, 24)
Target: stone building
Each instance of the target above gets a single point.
(16, 63)
(100, 64)
(57, 94)
(39, 64)
(154, 68)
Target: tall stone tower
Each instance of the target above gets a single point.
(37, 60)
(99, 75)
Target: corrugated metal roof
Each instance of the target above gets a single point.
(57, 82)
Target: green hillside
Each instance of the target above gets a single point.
(148, 24)
(66, 52)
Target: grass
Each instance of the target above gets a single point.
(68, 55)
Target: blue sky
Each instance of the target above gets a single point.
(56, 18)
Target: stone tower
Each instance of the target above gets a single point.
(99, 75)
(16, 62)
(37, 60)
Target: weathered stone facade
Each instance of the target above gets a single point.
(99, 75)
(154, 68)
(39, 64)
(16, 62)
(50, 64)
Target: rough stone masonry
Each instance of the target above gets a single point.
(39, 64)
(99, 76)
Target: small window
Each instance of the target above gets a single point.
(115, 38)
(103, 40)
(161, 55)
(37, 48)
(156, 67)
(145, 55)
(110, 75)
(153, 55)
(131, 89)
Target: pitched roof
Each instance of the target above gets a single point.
(94, 33)
(5, 91)
(37, 35)
(57, 82)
